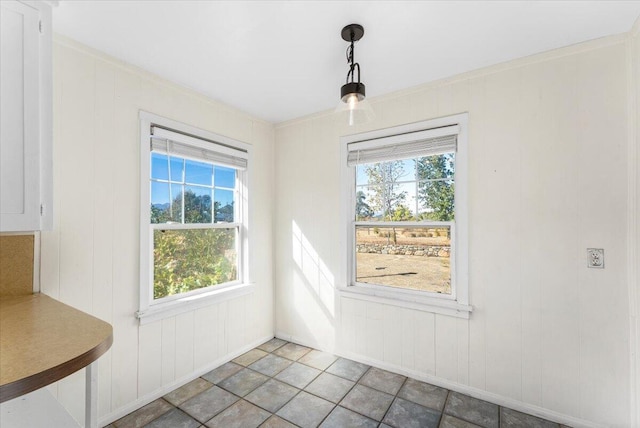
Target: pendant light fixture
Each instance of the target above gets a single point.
(352, 93)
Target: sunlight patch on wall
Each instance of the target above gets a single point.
(315, 273)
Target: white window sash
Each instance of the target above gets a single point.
(187, 226)
(408, 224)
(194, 293)
(195, 226)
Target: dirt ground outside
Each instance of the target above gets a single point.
(412, 272)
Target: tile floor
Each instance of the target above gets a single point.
(282, 384)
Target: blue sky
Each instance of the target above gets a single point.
(199, 177)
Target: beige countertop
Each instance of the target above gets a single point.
(43, 340)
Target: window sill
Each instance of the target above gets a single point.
(420, 303)
(190, 303)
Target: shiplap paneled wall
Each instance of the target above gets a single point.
(90, 260)
(548, 179)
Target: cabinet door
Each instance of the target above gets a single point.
(20, 118)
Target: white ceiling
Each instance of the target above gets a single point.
(279, 60)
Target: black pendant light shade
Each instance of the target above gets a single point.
(352, 88)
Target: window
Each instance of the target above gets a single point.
(193, 215)
(406, 215)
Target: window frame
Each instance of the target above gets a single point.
(151, 309)
(454, 304)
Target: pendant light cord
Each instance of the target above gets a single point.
(352, 65)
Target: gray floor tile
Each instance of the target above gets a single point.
(270, 365)
(250, 357)
(292, 351)
(472, 410)
(367, 401)
(144, 415)
(243, 382)
(330, 387)
(277, 422)
(240, 415)
(383, 380)
(348, 369)
(341, 418)
(219, 374)
(449, 421)
(318, 359)
(212, 399)
(207, 404)
(306, 410)
(511, 418)
(272, 345)
(406, 414)
(298, 375)
(272, 395)
(174, 419)
(185, 392)
(424, 394)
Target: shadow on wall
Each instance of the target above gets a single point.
(318, 282)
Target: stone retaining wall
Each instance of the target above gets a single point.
(406, 250)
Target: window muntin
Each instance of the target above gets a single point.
(186, 197)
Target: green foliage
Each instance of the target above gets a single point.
(401, 213)
(438, 193)
(363, 210)
(172, 213)
(197, 208)
(186, 260)
(191, 259)
(223, 213)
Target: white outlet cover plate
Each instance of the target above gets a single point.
(595, 258)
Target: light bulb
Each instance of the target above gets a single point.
(352, 101)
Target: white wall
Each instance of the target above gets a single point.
(548, 177)
(634, 211)
(90, 259)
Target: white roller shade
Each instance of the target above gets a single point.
(176, 144)
(405, 146)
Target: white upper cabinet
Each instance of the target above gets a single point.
(25, 116)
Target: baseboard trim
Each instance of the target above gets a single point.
(148, 398)
(302, 341)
